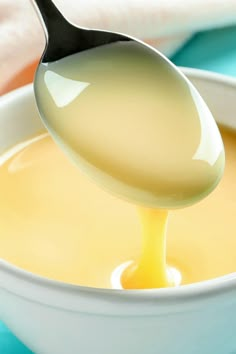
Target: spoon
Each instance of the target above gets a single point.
(126, 116)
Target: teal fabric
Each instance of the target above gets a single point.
(213, 50)
(9, 344)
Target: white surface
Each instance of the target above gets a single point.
(55, 318)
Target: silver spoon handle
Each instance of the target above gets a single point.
(64, 38)
(50, 17)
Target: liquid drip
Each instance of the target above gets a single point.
(150, 271)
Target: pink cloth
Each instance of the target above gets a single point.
(166, 24)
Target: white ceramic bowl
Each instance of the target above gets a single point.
(55, 318)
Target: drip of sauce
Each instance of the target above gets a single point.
(151, 270)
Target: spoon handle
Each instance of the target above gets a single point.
(62, 37)
(50, 17)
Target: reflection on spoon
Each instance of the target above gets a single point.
(62, 90)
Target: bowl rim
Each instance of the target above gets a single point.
(196, 292)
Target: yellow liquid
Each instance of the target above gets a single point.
(56, 223)
(150, 271)
(133, 124)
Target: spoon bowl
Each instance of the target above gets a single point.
(126, 115)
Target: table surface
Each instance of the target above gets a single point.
(212, 50)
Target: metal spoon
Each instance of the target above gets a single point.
(169, 159)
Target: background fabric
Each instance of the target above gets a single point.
(166, 25)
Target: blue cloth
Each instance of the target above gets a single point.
(9, 344)
(213, 50)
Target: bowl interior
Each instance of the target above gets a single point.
(118, 219)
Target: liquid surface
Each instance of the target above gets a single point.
(132, 123)
(44, 197)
